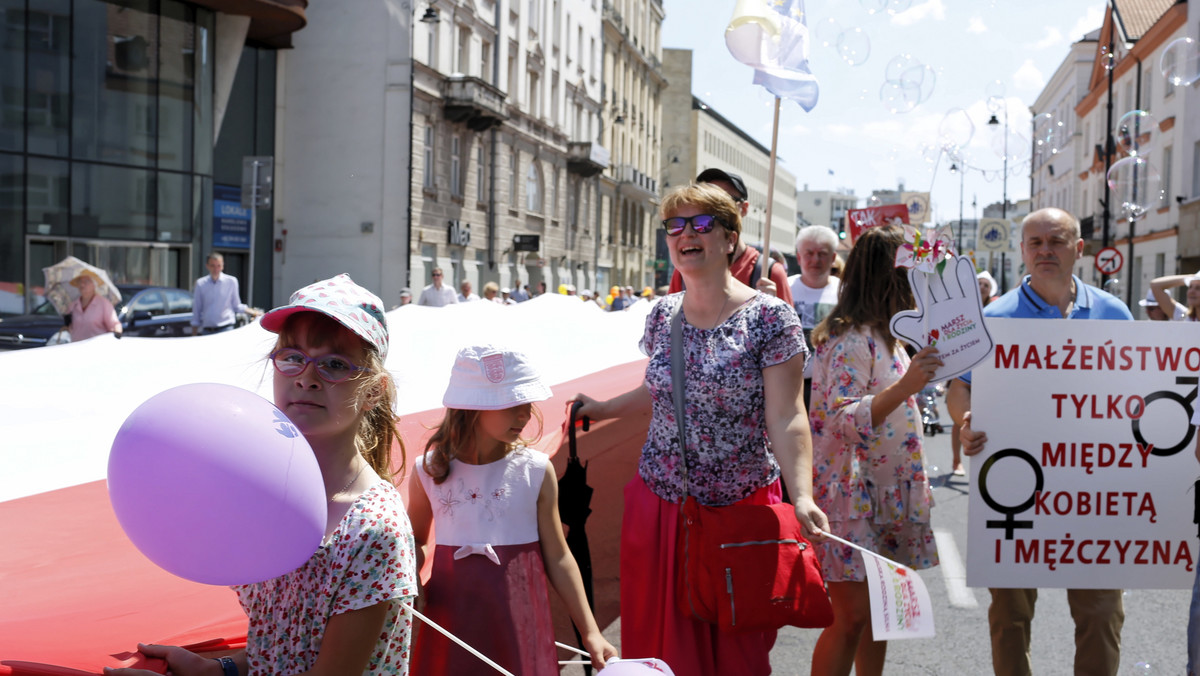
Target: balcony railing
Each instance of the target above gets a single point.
(629, 174)
(471, 100)
(586, 158)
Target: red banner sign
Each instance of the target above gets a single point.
(858, 220)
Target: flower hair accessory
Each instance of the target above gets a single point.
(921, 252)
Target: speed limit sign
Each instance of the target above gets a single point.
(1109, 261)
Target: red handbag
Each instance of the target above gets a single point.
(742, 567)
(748, 568)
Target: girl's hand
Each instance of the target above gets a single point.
(180, 662)
(599, 648)
(811, 518)
(920, 371)
(972, 441)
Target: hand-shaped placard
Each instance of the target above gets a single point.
(949, 315)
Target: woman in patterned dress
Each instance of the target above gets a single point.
(868, 461)
(746, 429)
(345, 611)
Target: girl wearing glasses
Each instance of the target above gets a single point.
(746, 429)
(345, 610)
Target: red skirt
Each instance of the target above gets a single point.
(651, 624)
(503, 611)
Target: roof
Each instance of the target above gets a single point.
(1135, 17)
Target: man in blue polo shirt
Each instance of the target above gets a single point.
(1050, 246)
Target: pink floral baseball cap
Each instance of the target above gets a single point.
(341, 299)
(488, 378)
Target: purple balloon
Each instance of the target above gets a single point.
(214, 484)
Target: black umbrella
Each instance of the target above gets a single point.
(574, 506)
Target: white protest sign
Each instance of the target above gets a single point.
(900, 604)
(949, 313)
(1086, 480)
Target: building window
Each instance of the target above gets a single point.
(464, 51)
(1167, 159)
(1196, 170)
(431, 46)
(480, 192)
(533, 188)
(428, 157)
(512, 178)
(1168, 64)
(485, 61)
(455, 167)
(535, 95)
(554, 193)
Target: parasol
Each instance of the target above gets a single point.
(574, 506)
(62, 293)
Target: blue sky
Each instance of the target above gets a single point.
(973, 49)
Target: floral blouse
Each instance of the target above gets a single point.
(368, 559)
(862, 471)
(729, 454)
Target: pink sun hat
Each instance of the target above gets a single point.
(340, 298)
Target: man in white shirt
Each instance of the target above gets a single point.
(216, 299)
(437, 294)
(465, 295)
(814, 290)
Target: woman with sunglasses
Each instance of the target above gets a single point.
(345, 610)
(746, 429)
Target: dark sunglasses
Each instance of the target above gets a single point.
(701, 223)
(332, 368)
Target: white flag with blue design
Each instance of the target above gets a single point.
(771, 36)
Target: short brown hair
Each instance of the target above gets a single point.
(708, 198)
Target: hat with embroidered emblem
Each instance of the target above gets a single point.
(489, 378)
(341, 299)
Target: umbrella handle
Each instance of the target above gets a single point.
(575, 406)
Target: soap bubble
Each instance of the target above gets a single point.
(898, 97)
(1136, 132)
(854, 46)
(956, 128)
(1048, 135)
(895, 7)
(873, 6)
(1180, 62)
(827, 31)
(1136, 185)
(1108, 59)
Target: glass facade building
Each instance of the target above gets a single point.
(107, 140)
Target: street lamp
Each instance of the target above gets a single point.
(1004, 192)
(962, 175)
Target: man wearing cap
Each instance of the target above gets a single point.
(437, 294)
(216, 299)
(405, 297)
(745, 266)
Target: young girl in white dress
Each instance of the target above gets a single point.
(498, 534)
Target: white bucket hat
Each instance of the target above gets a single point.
(488, 378)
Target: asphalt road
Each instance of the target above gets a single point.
(1153, 639)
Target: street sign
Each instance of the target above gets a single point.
(993, 234)
(257, 180)
(1109, 261)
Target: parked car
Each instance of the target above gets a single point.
(147, 311)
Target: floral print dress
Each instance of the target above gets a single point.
(729, 455)
(870, 480)
(368, 559)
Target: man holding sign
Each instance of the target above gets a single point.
(1050, 246)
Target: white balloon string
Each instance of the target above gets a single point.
(574, 661)
(457, 640)
(573, 649)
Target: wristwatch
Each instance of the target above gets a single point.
(228, 666)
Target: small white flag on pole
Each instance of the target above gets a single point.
(900, 605)
(771, 36)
